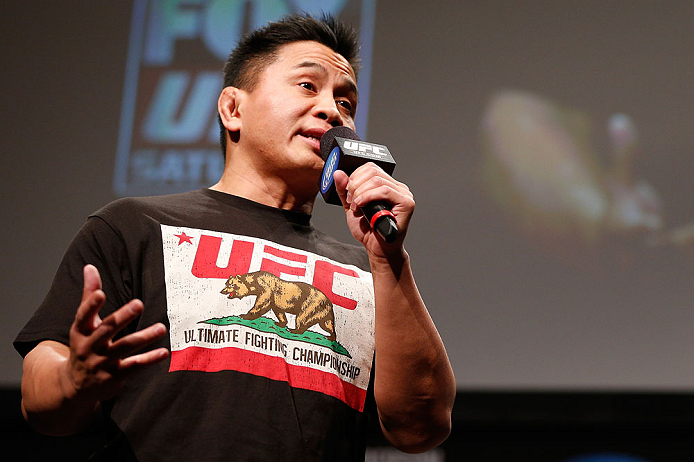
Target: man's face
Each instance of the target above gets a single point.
(307, 90)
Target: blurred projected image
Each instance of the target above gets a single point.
(542, 169)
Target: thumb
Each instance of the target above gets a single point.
(341, 181)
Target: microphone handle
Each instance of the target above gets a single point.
(381, 219)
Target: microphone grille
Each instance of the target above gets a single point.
(327, 139)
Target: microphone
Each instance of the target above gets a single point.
(342, 149)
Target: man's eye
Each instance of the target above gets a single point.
(308, 86)
(346, 104)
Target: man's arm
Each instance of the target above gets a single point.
(62, 386)
(414, 384)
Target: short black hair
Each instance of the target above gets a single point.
(258, 49)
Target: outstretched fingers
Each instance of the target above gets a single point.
(92, 336)
(131, 344)
(93, 298)
(98, 364)
(132, 363)
(114, 323)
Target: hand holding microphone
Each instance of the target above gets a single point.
(342, 149)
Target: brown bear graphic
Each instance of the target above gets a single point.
(309, 304)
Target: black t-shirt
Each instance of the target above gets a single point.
(271, 327)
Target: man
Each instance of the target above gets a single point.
(222, 268)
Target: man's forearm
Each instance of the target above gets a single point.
(414, 382)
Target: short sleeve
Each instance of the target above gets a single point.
(96, 243)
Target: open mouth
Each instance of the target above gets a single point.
(313, 140)
(310, 137)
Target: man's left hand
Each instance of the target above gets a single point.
(369, 183)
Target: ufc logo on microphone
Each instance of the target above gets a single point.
(364, 147)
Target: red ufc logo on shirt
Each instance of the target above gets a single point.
(242, 257)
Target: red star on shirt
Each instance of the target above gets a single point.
(183, 238)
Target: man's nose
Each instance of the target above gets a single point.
(326, 109)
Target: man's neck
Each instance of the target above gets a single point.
(270, 191)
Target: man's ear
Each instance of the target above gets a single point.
(228, 107)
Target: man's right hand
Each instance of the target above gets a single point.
(98, 365)
(63, 385)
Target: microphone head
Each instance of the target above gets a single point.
(342, 149)
(328, 138)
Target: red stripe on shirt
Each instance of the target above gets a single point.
(272, 367)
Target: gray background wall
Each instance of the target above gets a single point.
(513, 315)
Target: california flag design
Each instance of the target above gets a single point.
(249, 305)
